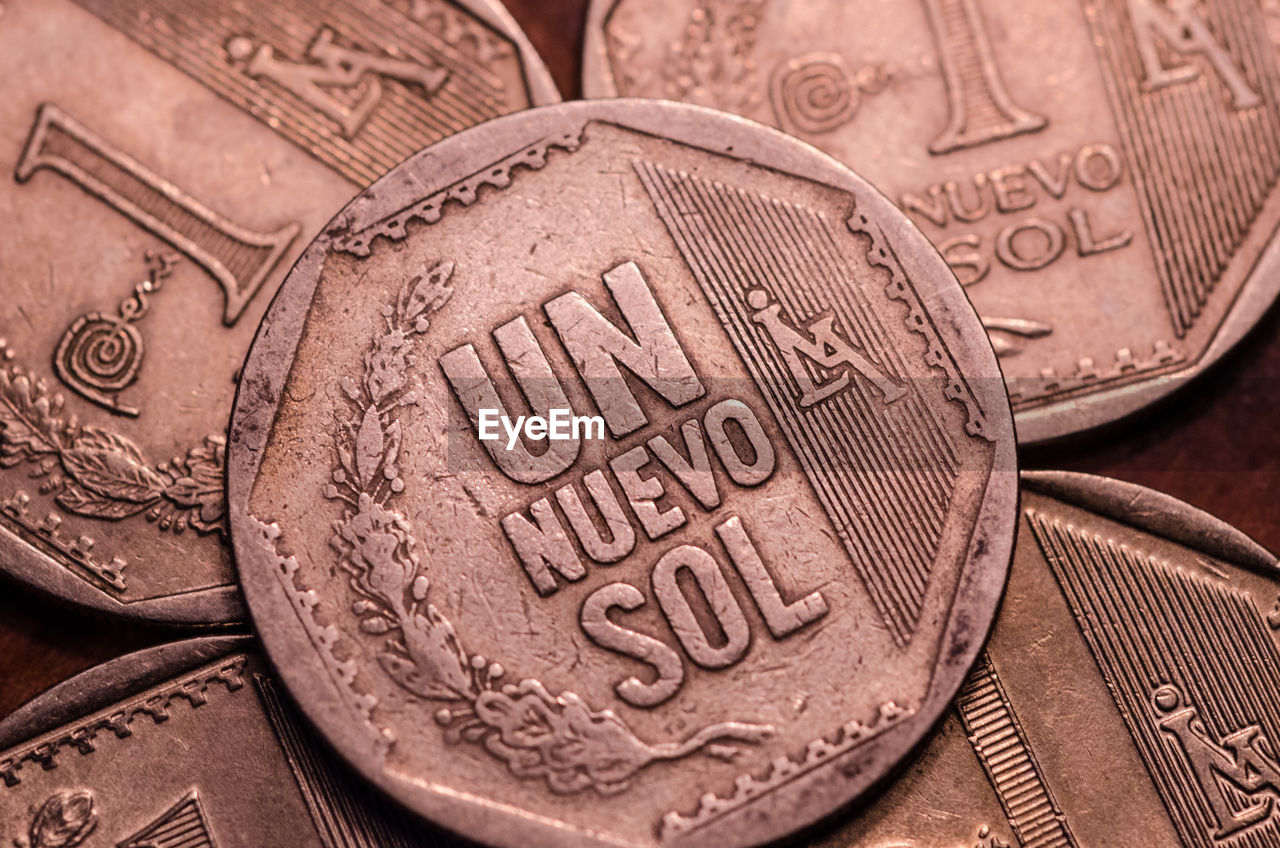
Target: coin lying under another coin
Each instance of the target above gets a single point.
(1130, 694)
(722, 609)
(170, 160)
(188, 745)
(1100, 173)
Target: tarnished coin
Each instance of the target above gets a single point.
(1129, 696)
(188, 745)
(170, 160)
(1099, 173)
(622, 473)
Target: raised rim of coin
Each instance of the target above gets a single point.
(1069, 417)
(1153, 512)
(1064, 420)
(24, 562)
(292, 647)
(542, 88)
(108, 682)
(215, 605)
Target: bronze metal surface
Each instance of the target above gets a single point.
(725, 618)
(169, 162)
(1128, 695)
(1211, 444)
(1100, 173)
(186, 745)
(1208, 445)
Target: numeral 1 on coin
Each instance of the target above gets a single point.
(238, 258)
(981, 108)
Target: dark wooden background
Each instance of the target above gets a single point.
(1215, 445)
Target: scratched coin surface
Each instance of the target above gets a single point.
(714, 615)
(167, 162)
(1099, 173)
(1130, 693)
(187, 745)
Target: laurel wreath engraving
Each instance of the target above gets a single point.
(559, 739)
(713, 65)
(100, 474)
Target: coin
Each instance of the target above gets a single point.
(738, 580)
(1128, 695)
(170, 160)
(1099, 173)
(187, 745)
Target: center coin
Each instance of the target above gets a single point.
(622, 473)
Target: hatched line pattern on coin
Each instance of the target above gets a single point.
(333, 800)
(182, 826)
(193, 35)
(1224, 669)
(998, 740)
(1204, 167)
(733, 240)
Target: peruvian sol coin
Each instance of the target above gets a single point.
(622, 473)
(1100, 173)
(186, 745)
(169, 161)
(1130, 693)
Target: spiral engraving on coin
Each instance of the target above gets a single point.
(100, 354)
(817, 93)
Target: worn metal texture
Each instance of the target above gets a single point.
(725, 615)
(1100, 173)
(1209, 445)
(186, 745)
(166, 163)
(1128, 695)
